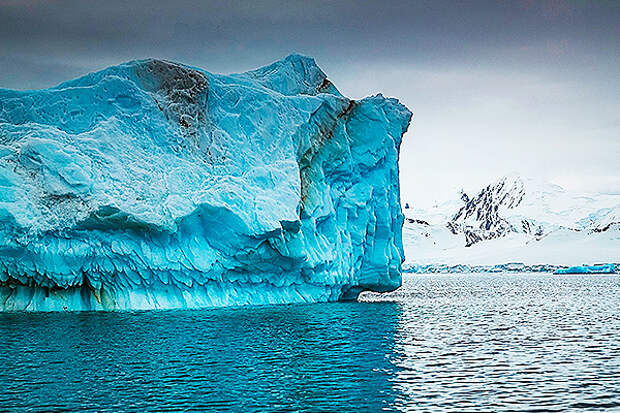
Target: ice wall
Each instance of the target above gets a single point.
(156, 185)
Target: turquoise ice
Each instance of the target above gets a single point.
(588, 269)
(156, 185)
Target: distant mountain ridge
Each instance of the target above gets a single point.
(512, 213)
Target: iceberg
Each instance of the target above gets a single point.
(588, 269)
(155, 185)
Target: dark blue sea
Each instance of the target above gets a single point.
(502, 342)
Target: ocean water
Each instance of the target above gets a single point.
(472, 342)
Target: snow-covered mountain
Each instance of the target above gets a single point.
(516, 219)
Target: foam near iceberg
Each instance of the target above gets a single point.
(156, 185)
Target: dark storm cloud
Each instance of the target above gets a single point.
(494, 85)
(69, 36)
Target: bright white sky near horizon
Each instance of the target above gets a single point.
(496, 87)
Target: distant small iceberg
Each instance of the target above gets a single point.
(588, 269)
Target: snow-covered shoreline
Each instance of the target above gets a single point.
(516, 267)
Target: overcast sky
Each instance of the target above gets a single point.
(496, 87)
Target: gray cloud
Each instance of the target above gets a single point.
(495, 86)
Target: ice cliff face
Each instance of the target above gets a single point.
(156, 185)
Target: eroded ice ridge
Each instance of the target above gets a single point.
(156, 185)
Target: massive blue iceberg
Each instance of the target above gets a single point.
(156, 185)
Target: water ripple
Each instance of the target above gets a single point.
(440, 343)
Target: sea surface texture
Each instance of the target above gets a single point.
(155, 185)
(475, 342)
